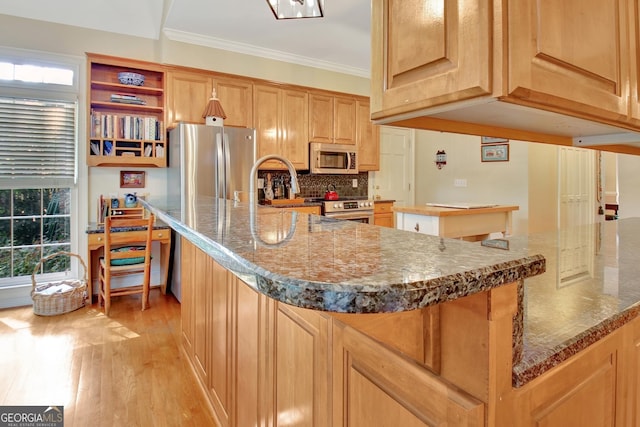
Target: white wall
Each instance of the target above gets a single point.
(503, 183)
(629, 185)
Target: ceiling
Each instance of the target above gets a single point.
(340, 41)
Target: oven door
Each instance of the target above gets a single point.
(365, 217)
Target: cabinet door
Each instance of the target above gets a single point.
(320, 118)
(344, 120)
(302, 336)
(187, 282)
(295, 128)
(187, 96)
(634, 57)
(236, 98)
(425, 54)
(266, 115)
(219, 344)
(367, 138)
(201, 322)
(569, 57)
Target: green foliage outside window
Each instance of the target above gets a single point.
(34, 223)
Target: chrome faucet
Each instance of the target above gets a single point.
(252, 200)
(254, 169)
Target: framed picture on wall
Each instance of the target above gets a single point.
(494, 152)
(493, 140)
(131, 179)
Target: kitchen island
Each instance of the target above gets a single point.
(459, 221)
(291, 318)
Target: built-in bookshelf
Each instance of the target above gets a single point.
(126, 121)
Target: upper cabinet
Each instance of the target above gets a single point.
(187, 96)
(573, 56)
(236, 97)
(367, 138)
(537, 70)
(188, 93)
(126, 120)
(332, 119)
(281, 123)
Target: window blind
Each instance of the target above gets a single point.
(37, 142)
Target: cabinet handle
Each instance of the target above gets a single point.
(99, 239)
(417, 227)
(159, 234)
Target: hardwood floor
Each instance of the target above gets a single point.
(123, 370)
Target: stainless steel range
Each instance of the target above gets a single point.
(349, 209)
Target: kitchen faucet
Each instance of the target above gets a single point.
(254, 169)
(252, 200)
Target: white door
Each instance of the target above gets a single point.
(394, 180)
(577, 208)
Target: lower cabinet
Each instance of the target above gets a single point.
(265, 363)
(383, 214)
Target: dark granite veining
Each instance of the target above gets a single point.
(325, 264)
(574, 304)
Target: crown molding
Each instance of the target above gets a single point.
(216, 43)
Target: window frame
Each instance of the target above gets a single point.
(16, 290)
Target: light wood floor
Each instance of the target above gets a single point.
(123, 370)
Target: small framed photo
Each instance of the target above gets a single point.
(493, 140)
(131, 179)
(495, 152)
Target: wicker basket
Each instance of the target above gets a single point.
(48, 303)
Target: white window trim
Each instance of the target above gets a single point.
(20, 293)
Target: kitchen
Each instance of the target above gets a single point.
(101, 177)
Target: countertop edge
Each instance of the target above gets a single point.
(334, 298)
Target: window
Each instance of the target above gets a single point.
(38, 166)
(34, 223)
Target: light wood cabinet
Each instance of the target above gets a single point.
(332, 119)
(281, 123)
(188, 93)
(236, 97)
(367, 138)
(423, 56)
(530, 70)
(261, 362)
(313, 210)
(383, 214)
(126, 121)
(579, 62)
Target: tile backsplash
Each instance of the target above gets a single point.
(316, 185)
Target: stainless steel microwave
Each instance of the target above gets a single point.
(332, 158)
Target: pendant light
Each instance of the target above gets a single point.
(296, 9)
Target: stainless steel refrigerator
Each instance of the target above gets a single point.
(206, 161)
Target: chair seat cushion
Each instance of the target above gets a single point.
(128, 261)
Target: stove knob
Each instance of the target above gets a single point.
(336, 206)
(370, 204)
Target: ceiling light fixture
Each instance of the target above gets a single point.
(295, 9)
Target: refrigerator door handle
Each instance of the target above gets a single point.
(222, 166)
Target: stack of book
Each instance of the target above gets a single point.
(126, 127)
(127, 99)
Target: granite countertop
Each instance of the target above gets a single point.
(94, 228)
(445, 211)
(325, 264)
(564, 315)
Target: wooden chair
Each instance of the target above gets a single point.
(125, 254)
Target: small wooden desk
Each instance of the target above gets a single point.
(466, 224)
(95, 243)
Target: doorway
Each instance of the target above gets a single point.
(395, 179)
